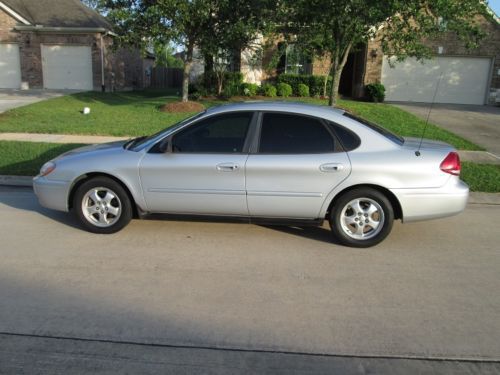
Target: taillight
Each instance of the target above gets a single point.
(451, 164)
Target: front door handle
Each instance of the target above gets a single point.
(227, 167)
(331, 167)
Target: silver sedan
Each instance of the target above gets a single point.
(284, 163)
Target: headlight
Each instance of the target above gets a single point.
(47, 168)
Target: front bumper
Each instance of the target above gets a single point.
(52, 193)
(433, 203)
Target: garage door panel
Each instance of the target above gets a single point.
(464, 80)
(10, 66)
(67, 67)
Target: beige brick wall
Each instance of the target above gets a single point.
(6, 25)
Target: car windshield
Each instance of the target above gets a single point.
(379, 129)
(137, 142)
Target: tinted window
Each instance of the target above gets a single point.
(220, 134)
(379, 129)
(347, 138)
(294, 134)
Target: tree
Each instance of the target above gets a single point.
(98, 5)
(334, 28)
(210, 25)
(234, 25)
(149, 22)
(165, 57)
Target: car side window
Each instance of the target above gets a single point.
(346, 137)
(218, 134)
(294, 134)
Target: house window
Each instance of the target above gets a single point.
(293, 60)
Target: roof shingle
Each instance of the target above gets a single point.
(58, 13)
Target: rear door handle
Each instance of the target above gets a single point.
(331, 167)
(227, 167)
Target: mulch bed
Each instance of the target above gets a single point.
(180, 107)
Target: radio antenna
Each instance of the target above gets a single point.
(417, 153)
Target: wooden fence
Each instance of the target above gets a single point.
(165, 78)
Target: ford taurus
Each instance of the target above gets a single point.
(279, 162)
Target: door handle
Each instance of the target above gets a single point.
(331, 167)
(227, 167)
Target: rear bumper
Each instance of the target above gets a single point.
(52, 193)
(425, 204)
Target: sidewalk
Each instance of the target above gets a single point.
(480, 157)
(59, 138)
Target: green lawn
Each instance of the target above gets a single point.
(26, 158)
(137, 113)
(481, 177)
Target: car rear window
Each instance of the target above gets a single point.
(294, 134)
(347, 138)
(379, 129)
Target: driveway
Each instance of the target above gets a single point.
(10, 99)
(429, 291)
(477, 123)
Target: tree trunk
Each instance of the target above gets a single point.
(188, 63)
(338, 64)
(334, 90)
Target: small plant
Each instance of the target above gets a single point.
(284, 90)
(303, 90)
(376, 92)
(250, 89)
(269, 90)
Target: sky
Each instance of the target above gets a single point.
(495, 5)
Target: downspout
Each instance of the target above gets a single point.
(103, 85)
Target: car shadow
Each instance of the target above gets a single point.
(320, 234)
(23, 198)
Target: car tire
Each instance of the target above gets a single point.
(361, 217)
(102, 205)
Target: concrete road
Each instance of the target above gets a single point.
(477, 123)
(10, 99)
(198, 297)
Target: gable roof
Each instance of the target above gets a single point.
(57, 13)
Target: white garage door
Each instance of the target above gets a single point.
(67, 67)
(10, 67)
(464, 80)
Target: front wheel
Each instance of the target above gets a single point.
(361, 217)
(102, 205)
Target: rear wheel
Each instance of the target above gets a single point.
(102, 205)
(361, 217)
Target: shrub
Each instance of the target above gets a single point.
(315, 83)
(234, 79)
(375, 92)
(195, 96)
(269, 90)
(249, 89)
(284, 90)
(303, 90)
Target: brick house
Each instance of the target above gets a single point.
(461, 76)
(62, 44)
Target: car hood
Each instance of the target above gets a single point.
(93, 148)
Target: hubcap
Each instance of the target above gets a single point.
(362, 218)
(101, 207)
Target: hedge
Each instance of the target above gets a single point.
(315, 83)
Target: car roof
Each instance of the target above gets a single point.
(279, 106)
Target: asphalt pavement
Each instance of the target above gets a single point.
(179, 296)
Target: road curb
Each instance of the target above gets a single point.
(16, 180)
(474, 197)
